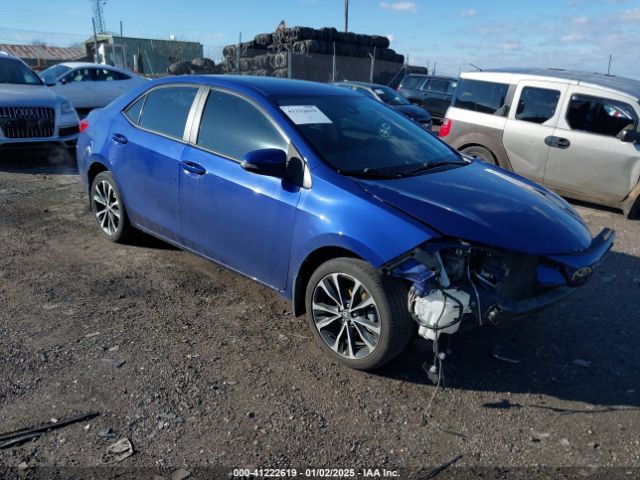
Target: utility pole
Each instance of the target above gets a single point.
(124, 56)
(609, 69)
(346, 16)
(95, 41)
(98, 15)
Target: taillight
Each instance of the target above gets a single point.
(445, 128)
(84, 124)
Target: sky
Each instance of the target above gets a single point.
(573, 34)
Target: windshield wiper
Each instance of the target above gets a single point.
(372, 173)
(432, 165)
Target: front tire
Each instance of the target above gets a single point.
(358, 316)
(108, 209)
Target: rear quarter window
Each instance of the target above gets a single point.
(412, 82)
(480, 96)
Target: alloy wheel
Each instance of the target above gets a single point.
(106, 207)
(346, 316)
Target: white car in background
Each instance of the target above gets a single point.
(90, 85)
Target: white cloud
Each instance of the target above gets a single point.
(631, 15)
(391, 37)
(511, 46)
(469, 13)
(400, 6)
(580, 20)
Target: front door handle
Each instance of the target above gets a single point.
(119, 138)
(190, 167)
(557, 142)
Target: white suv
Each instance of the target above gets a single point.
(31, 114)
(574, 132)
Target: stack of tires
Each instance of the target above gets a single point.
(311, 54)
(198, 66)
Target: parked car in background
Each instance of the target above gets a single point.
(345, 207)
(428, 91)
(31, 115)
(574, 132)
(387, 95)
(90, 85)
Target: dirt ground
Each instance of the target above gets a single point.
(207, 371)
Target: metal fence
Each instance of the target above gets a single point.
(285, 62)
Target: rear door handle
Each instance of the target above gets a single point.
(190, 167)
(119, 138)
(557, 142)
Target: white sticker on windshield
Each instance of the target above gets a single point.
(378, 90)
(305, 114)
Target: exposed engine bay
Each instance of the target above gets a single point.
(456, 284)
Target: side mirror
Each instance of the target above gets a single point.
(64, 81)
(271, 162)
(50, 84)
(630, 136)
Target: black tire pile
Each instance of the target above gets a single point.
(312, 54)
(198, 66)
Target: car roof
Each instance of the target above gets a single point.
(91, 65)
(627, 86)
(265, 86)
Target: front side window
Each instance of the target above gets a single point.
(412, 82)
(15, 72)
(359, 137)
(81, 75)
(600, 115)
(537, 105)
(166, 110)
(438, 85)
(479, 96)
(232, 126)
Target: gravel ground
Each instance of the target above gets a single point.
(203, 369)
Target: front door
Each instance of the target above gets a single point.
(238, 218)
(530, 125)
(592, 160)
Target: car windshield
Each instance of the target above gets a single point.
(390, 96)
(17, 73)
(357, 136)
(52, 73)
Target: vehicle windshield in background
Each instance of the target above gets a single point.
(359, 137)
(52, 73)
(17, 73)
(390, 96)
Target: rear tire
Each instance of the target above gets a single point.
(364, 322)
(108, 209)
(481, 153)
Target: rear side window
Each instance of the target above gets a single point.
(537, 105)
(166, 110)
(479, 96)
(133, 112)
(451, 88)
(600, 115)
(233, 127)
(412, 82)
(104, 74)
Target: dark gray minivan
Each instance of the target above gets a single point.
(429, 91)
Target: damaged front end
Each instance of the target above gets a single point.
(456, 284)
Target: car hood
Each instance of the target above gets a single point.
(26, 95)
(486, 204)
(412, 111)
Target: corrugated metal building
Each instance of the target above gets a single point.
(40, 57)
(144, 55)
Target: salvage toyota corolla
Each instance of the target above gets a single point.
(367, 223)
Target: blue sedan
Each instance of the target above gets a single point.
(368, 224)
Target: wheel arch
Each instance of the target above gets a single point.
(310, 265)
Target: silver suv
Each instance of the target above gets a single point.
(574, 132)
(31, 114)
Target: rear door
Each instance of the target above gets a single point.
(435, 97)
(238, 218)
(110, 84)
(147, 143)
(531, 122)
(592, 160)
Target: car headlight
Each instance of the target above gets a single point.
(66, 107)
